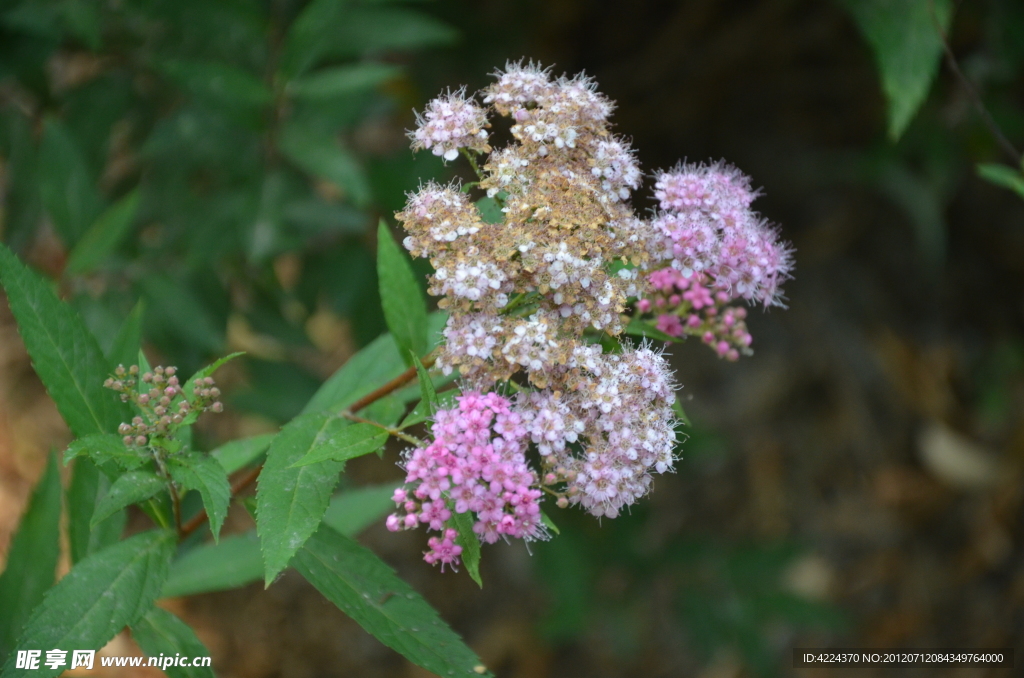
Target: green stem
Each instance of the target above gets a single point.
(472, 163)
(391, 430)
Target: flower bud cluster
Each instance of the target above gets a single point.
(715, 251)
(476, 463)
(160, 401)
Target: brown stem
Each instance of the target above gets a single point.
(993, 127)
(243, 482)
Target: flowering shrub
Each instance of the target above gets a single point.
(551, 398)
(535, 300)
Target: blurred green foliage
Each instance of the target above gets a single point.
(174, 150)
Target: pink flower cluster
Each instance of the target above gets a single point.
(475, 463)
(715, 251)
(449, 123)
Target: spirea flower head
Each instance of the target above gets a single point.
(538, 303)
(449, 123)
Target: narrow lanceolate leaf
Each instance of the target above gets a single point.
(905, 38)
(105, 234)
(429, 394)
(368, 369)
(1004, 176)
(207, 477)
(97, 598)
(424, 411)
(103, 448)
(400, 296)
(88, 487)
(131, 488)
(32, 558)
(66, 185)
(342, 80)
(366, 589)
(233, 562)
(345, 441)
(64, 353)
(322, 155)
(641, 328)
(161, 633)
(129, 338)
(238, 454)
(290, 501)
(470, 543)
(237, 560)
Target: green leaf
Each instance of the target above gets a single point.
(429, 394)
(219, 82)
(32, 558)
(104, 448)
(548, 523)
(310, 34)
(445, 401)
(387, 411)
(641, 328)
(88, 487)
(346, 441)
(342, 80)
(677, 408)
(104, 235)
(64, 353)
(233, 562)
(238, 454)
(207, 371)
(366, 589)
(905, 39)
(291, 500)
(237, 560)
(97, 598)
(1002, 175)
(367, 370)
(353, 510)
(470, 543)
(324, 157)
(66, 185)
(160, 633)
(128, 341)
(207, 477)
(490, 211)
(131, 488)
(401, 297)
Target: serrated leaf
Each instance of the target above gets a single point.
(445, 401)
(362, 586)
(88, 487)
(490, 211)
(238, 454)
(367, 370)
(206, 476)
(324, 157)
(342, 80)
(237, 559)
(462, 523)
(105, 234)
(131, 488)
(428, 393)
(387, 411)
(1002, 175)
(291, 500)
(32, 557)
(161, 633)
(400, 296)
(66, 185)
(641, 328)
(97, 598)
(343, 441)
(105, 448)
(65, 355)
(128, 341)
(907, 48)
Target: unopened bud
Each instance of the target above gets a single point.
(177, 419)
(208, 381)
(147, 377)
(173, 381)
(119, 370)
(127, 440)
(170, 371)
(137, 421)
(159, 370)
(217, 406)
(140, 440)
(214, 392)
(134, 369)
(159, 410)
(165, 401)
(562, 502)
(124, 429)
(170, 391)
(144, 399)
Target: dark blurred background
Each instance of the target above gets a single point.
(857, 482)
